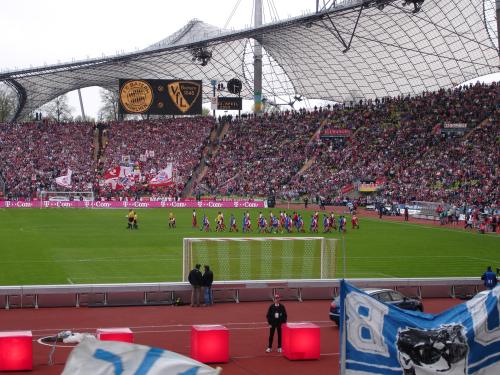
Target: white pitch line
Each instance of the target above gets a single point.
(276, 355)
(425, 226)
(69, 280)
(326, 322)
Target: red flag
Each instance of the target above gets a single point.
(112, 172)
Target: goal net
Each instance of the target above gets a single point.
(262, 258)
(66, 196)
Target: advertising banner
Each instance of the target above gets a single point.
(454, 127)
(347, 188)
(336, 133)
(368, 188)
(133, 204)
(160, 97)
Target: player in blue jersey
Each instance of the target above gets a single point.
(232, 224)
(244, 223)
(206, 224)
(274, 224)
(288, 223)
(326, 224)
(261, 223)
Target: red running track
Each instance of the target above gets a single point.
(169, 327)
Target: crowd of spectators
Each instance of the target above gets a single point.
(150, 145)
(260, 154)
(399, 141)
(395, 142)
(32, 155)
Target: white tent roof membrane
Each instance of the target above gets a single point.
(393, 51)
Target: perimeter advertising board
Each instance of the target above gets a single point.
(133, 204)
(459, 128)
(160, 97)
(336, 133)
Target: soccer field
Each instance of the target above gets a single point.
(65, 246)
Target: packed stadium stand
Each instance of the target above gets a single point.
(261, 154)
(32, 155)
(179, 141)
(397, 142)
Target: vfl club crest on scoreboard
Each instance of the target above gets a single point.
(136, 96)
(184, 94)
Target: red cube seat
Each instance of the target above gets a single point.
(210, 343)
(16, 351)
(115, 334)
(301, 341)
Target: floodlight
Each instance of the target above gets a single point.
(201, 55)
(417, 4)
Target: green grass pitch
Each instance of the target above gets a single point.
(64, 246)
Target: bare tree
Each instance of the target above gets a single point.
(7, 103)
(109, 109)
(59, 109)
(88, 118)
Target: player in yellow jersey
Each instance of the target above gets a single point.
(134, 222)
(171, 220)
(130, 219)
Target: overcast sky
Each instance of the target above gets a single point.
(38, 32)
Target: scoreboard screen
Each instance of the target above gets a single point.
(229, 103)
(160, 97)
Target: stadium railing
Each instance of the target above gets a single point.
(244, 290)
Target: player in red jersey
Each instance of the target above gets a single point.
(194, 223)
(354, 221)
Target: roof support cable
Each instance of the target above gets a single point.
(232, 13)
(339, 37)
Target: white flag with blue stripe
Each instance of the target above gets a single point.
(383, 339)
(94, 357)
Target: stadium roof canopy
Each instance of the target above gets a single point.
(352, 50)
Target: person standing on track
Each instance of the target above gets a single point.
(207, 280)
(276, 316)
(195, 278)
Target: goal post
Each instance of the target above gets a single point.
(262, 258)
